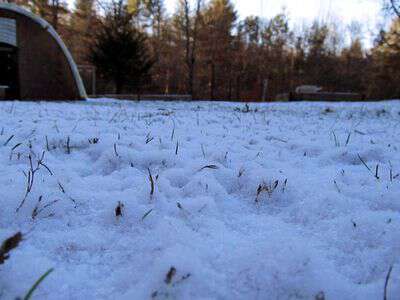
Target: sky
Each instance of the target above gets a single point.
(347, 10)
(366, 12)
(308, 10)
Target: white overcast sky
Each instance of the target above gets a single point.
(347, 10)
(367, 12)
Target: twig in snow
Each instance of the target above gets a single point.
(149, 138)
(170, 275)
(9, 139)
(151, 183)
(183, 278)
(284, 185)
(65, 193)
(213, 167)
(173, 133)
(337, 186)
(146, 214)
(68, 146)
(119, 209)
(16, 146)
(359, 132)
(47, 144)
(337, 143)
(387, 282)
(377, 171)
(203, 151)
(369, 169)
(115, 150)
(348, 139)
(36, 211)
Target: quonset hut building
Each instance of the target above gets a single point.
(35, 64)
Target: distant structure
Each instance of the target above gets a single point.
(304, 89)
(35, 64)
(316, 93)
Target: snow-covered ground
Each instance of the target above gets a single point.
(271, 201)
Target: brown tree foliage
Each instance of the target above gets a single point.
(204, 49)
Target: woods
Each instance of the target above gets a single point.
(206, 50)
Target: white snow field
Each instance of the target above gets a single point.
(269, 201)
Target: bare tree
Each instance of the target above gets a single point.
(393, 6)
(190, 27)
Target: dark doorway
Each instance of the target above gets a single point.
(9, 83)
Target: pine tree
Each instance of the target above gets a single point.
(217, 47)
(120, 52)
(384, 74)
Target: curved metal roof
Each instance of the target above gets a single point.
(46, 26)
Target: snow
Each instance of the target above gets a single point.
(329, 227)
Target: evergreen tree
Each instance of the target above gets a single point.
(385, 68)
(217, 39)
(119, 51)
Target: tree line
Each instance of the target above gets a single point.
(205, 50)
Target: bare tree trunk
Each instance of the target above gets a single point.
(238, 88)
(187, 48)
(191, 42)
(212, 82)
